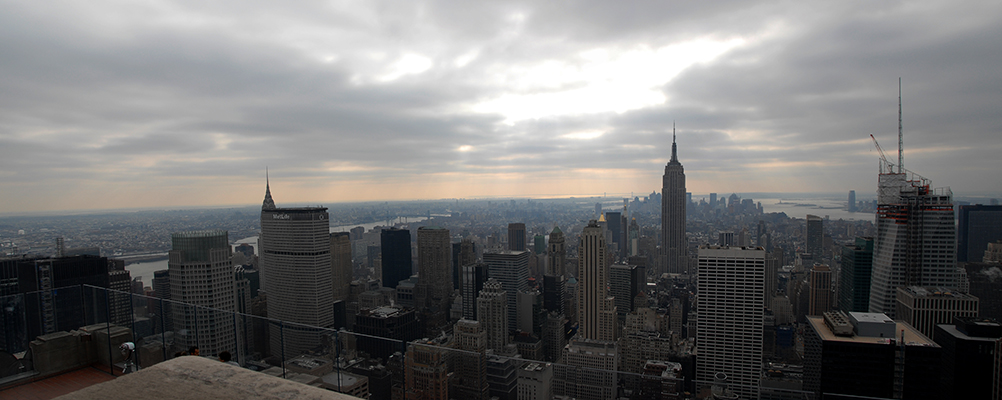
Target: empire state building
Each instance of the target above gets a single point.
(673, 242)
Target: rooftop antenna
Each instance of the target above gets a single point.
(901, 155)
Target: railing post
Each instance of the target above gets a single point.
(163, 330)
(107, 324)
(281, 331)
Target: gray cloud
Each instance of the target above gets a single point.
(385, 92)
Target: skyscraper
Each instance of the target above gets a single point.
(673, 242)
(614, 222)
(915, 243)
(821, 290)
(854, 277)
(395, 245)
(516, 236)
(597, 309)
(851, 203)
(511, 269)
(978, 225)
(201, 274)
(731, 287)
(295, 258)
(473, 278)
(341, 265)
(492, 313)
(557, 254)
(434, 268)
(470, 373)
(815, 236)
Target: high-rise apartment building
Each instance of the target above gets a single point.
(673, 242)
(201, 274)
(916, 235)
(821, 290)
(854, 276)
(516, 236)
(596, 308)
(731, 287)
(815, 236)
(395, 246)
(977, 226)
(295, 257)
(556, 254)
(492, 313)
(511, 269)
(341, 265)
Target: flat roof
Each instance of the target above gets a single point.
(912, 336)
(940, 292)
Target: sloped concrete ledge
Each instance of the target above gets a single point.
(197, 378)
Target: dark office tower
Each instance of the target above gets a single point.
(731, 303)
(516, 236)
(673, 243)
(821, 290)
(614, 222)
(815, 236)
(556, 256)
(396, 250)
(53, 310)
(539, 244)
(473, 278)
(860, 355)
(553, 293)
(383, 329)
(854, 280)
(772, 266)
(713, 200)
(463, 253)
(502, 377)
(201, 274)
(341, 265)
(121, 284)
(161, 289)
(624, 286)
(596, 309)
(916, 238)
(295, 258)
(978, 226)
(986, 285)
(968, 357)
(511, 269)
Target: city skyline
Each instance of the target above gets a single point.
(169, 105)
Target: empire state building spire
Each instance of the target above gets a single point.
(674, 148)
(673, 202)
(269, 204)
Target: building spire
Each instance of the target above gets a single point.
(269, 204)
(674, 149)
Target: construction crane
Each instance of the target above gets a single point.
(883, 158)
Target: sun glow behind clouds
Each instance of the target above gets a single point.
(600, 80)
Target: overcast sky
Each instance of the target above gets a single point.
(109, 104)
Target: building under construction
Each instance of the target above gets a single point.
(916, 235)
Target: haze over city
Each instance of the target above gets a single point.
(161, 104)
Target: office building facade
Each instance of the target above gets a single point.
(511, 269)
(675, 258)
(731, 285)
(596, 308)
(395, 247)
